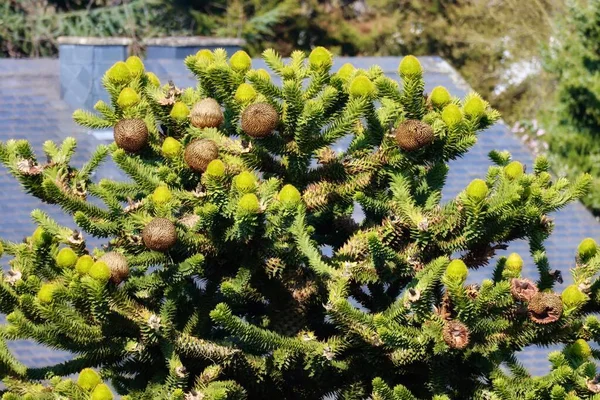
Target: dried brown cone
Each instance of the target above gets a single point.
(131, 134)
(413, 295)
(259, 120)
(472, 291)
(159, 235)
(593, 384)
(206, 113)
(445, 308)
(456, 335)
(545, 308)
(522, 289)
(199, 153)
(119, 267)
(413, 134)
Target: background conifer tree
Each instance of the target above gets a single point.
(214, 281)
(573, 115)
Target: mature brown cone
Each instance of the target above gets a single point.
(207, 113)
(456, 335)
(545, 308)
(259, 120)
(159, 234)
(131, 134)
(199, 153)
(119, 267)
(522, 289)
(413, 134)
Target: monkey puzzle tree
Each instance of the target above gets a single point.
(232, 267)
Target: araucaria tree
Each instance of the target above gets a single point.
(232, 267)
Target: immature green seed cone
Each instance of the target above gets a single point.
(40, 236)
(477, 189)
(207, 113)
(410, 67)
(572, 297)
(179, 112)
(263, 74)
(84, 264)
(474, 107)
(66, 258)
(131, 134)
(88, 379)
(205, 54)
(215, 169)
(119, 73)
(346, 71)
(135, 65)
(46, 292)
(161, 195)
(100, 271)
(288, 72)
(513, 266)
(587, 249)
(199, 153)
(259, 120)
(439, 96)
(320, 57)
(289, 196)
(412, 135)
(245, 93)
(171, 147)
(457, 271)
(153, 79)
(514, 170)
(240, 61)
(159, 234)
(362, 86)
(118, 266)
(580, 348)
(245, 182)
(101, 392)
(249, 204)
(128, 98)
(451, 115)
(1, 249)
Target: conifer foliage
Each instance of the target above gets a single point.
(216, 282)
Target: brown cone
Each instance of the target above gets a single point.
(456, 335)
(199, 153)
(259, 120)
(545, 308)
(522, 289)
(131, 134)
(413, 134)
(206, 113)
(472, 291)
(159, 234)
(119, 267)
